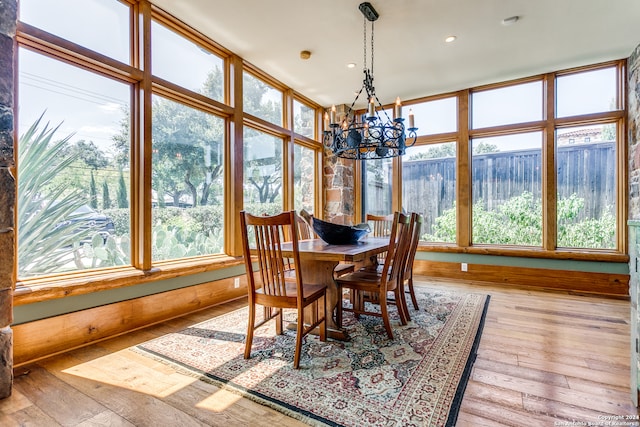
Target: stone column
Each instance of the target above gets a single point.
(338, 185)
(8, 16)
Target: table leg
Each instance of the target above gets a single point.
(322, 272)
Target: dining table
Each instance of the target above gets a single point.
(318, 260)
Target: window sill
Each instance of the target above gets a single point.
(529, 252)
(42, 289)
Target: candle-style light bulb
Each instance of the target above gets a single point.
(397, 109)
(411, 119)
(326, 121)
(333, 114)
(372, 108)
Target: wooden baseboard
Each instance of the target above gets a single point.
(47, 337)
(606, 284)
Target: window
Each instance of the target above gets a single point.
(261, 99)
(303, 119)
(506, 178)
(304, 178)
(187, 181)
(433, 117)
(429, 187)
(587, 92)
(586, 180)
(377, 195)
(511, 104)
(171, 51)
(73, 209)
(93, 150)
(262, 173)
(99, 25)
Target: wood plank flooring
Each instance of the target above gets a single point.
(544, 358)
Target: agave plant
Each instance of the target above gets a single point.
(46, 238)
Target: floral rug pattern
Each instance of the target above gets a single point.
(417, 379)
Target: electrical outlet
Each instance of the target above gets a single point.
(463, 266)
(236, 283)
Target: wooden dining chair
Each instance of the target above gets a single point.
(416, 227)
(280, 285)
(363, 283)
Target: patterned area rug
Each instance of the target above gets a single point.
(418, 379)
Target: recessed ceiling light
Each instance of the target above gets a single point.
(510, 20)
(450, 39)
(351, 65)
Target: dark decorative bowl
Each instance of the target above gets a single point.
(338, 234)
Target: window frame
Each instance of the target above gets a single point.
(139, 74)
(547, 125)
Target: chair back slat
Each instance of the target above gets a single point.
(381, 225)
(399, 245)
(270, 232)
(304, 228)
(416, 226)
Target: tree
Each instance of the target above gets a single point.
(89, 153)
(93, 193)
(106, 199)
(122, 192)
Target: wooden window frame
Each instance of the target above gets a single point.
(139, 74)
(548, 126)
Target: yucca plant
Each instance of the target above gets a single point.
(47, 238)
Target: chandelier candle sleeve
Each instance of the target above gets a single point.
(333, 114)
(397, 109)
(411, 120)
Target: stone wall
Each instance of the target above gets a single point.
(633, 135)
(8, 16)
(338, 185)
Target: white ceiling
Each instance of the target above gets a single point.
(411, 58)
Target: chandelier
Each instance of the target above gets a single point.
(369, 136)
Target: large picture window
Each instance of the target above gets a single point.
(262, 173)
(429, 188)
(304, 173)
(187, 181)
(73, 192)
(506, 186)
(586, 166)
(377, 191)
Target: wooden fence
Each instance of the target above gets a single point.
(587, 170)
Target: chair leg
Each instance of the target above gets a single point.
(299, 336)
(323, 324)
(398, 294)
(385, 313)
(339, 306)
(279, 321)
(412, 293)
(250, 327)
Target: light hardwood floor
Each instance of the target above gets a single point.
(544, 358)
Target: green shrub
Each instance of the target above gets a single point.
(518, 221)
